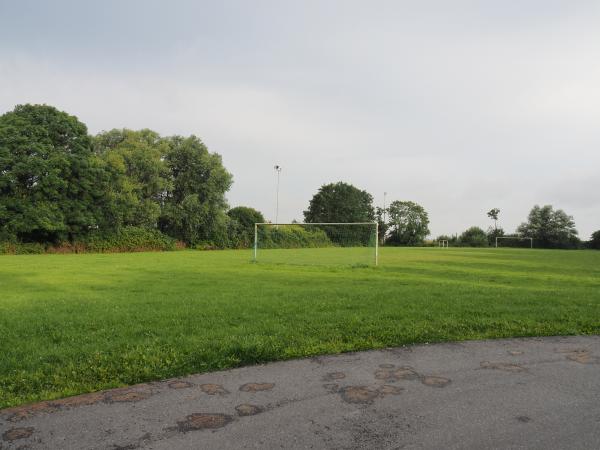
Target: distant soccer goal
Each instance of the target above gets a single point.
(354, 244)
(443, 243)
(514, 241)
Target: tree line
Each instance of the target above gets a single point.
(61, 188)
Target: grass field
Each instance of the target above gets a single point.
(77, 323)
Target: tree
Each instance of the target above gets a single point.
(473, 237)
(550, 228)
(493, 233)
(493, 214)
(51, 184)
(242, 223)
(340, 202)
(194, 204)
(139, 176)
(408, 223)
(595, 240)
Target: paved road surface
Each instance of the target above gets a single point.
(519, 393)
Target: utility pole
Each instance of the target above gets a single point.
(278, 170)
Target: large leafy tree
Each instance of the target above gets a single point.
(550, 228)
(51, 184)
(242, 220)
(139, 176)
(195, 205)
(408, 223)
(473, 237)
(340, 202)
(344, 203)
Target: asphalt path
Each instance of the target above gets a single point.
(538, 393)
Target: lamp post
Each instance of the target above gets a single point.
(384, 218)
(278, 170)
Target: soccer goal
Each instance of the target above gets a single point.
(443, 243)
(353, 244)
(514, 241)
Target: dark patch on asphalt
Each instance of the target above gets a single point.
(125, 447)
(179, 384)
(506, 367)
(433, 381)
(249, 410)
(17, 433)
(386, 389)
(256, 387)
(386, 366)
(358, 394)
(202, 421)
(524, 419)
(126, 396)
(213, 389)
(401, 373)
(332, 376)
(580, 355)
(133, 394)
(331, 387)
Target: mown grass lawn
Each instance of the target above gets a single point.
(77, 323)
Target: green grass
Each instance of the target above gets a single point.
(77, 323)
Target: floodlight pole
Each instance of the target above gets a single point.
(376, 243)
(278, 170)
(255, 240)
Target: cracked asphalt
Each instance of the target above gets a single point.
(536, 393)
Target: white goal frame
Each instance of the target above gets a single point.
(515, 237)
(255, 251)
(443, 243)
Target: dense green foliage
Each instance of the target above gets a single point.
(77, 323)
(595, 240)
(340, 202)
(124, 239)
(293, 236)
(242, 223)
(550, 228)
(408, 223)
(473, 237)
(60, 187)
(50, 180)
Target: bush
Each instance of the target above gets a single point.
(293, 237)
(473, 237)
(128, 239)
(18, 248)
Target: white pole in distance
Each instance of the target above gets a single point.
(376, 243)
(255, 240)
(278, 170)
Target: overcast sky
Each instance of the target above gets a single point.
(461, 106)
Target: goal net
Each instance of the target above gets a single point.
(352, 244)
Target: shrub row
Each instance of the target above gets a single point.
(127, 239)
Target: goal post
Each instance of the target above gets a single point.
(326, 243)
(527, 239)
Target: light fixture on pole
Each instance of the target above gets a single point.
(278, 170)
